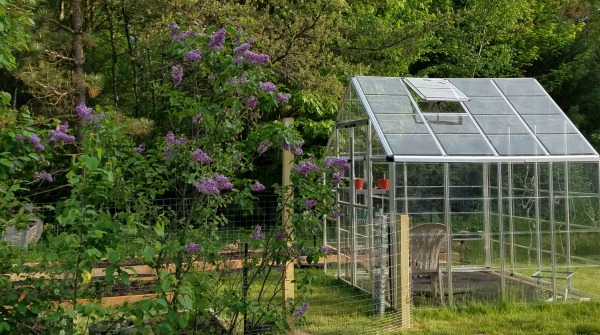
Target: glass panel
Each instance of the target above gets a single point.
(475, 87)
(550, 124)
(516, 145)
(465, 145)
(488, 106)
(352, 108)
(417, 145)
(560, 144)
(381, 85)
(343, 139)
(376, 147)
(435, 89)
(534, 105)
(401, 124)
(451, 124)
(501, 124)
(441, 107)
(390, 104)
(519, 86)
(360, 140)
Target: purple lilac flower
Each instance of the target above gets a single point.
(298, 151)
(201, 156)
(43, 176)
(140, 148)
(336, 214)
(207, 186)
(35, 141)
(177, 74)
(192, 248)
(287, 147)
(61, 135)
(217, 39)
(336, 162)
(262, 59)
(252, 102)
(20, 137)
(283, 98)
(197, 118)
(242, 48)
(192, 56)
(263, 147)
(86, 113)
(223, 182)
(336, 178)
(257, 187)
(267, 86)
(174, 28)
(310, 203)
(211, 78)
(305, 167)
(282, 236)
(300, 310)
(325, 249)
(258, 234)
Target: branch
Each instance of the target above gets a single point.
(58, 55)
(60, 25)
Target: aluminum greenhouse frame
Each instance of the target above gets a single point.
(494, 160)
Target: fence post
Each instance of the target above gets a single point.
(402, 289)
(286, 216)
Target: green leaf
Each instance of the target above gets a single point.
(90, 162)
(148, 253)
(183, 319)
(5, 98)
(124, 277)
(186, 302)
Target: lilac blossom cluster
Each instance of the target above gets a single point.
(336, 214)
(261, 59)
(201, 156)
(264, 146)
(325, 249)
(35, 141)
(283, 98)
(213, 186)
(257, 187)
(43, 176)
(192, 248)
(310, 203)
(177, 74)
(339, 166)
(267, 86)
(139, 149)
(217, 39)
(192, 56)
(179, 35)
(305, 167)
(300, 310)
(257, 234)
(252, 102)
(87, 114)
(297, 148)
(60, 135)
(173, 143)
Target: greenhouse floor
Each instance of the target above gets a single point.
(485, 286)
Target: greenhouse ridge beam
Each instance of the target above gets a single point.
(492, 159)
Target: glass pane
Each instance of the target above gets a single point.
(416, 145)
(560, 144)
(516, 145)
(352, 108)
(550, 124)
(376, 147)
(343, 139)
(390, 104)
(381, 85)
(501, 124)
(451, 124)
(488, 106)
(435, 89)
(519, 86)
(360, 140)
(401, 124)
(475, 87)
(465, 145)
(534, 105)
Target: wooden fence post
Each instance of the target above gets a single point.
(286, 216)
(403, 294)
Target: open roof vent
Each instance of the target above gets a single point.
(429, 89)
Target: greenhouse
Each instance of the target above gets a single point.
(500, 188)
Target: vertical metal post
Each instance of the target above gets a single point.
(538, 221)
(552, 229)
(394, 227)
(511, 224)
(405, 180)
(487, 230)
(448, 221)
(567, 216)
(286, 216)
(369, 186)
(501, 233)
(352, 210)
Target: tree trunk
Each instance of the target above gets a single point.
(113, 67)
(131, 56)
(78, 54)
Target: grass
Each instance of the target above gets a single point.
(336, 309)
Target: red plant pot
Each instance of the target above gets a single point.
(359, 184)
(383, 184)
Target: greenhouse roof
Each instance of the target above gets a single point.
(444, 120)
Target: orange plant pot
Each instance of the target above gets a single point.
(359, 184)
(383, 184)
